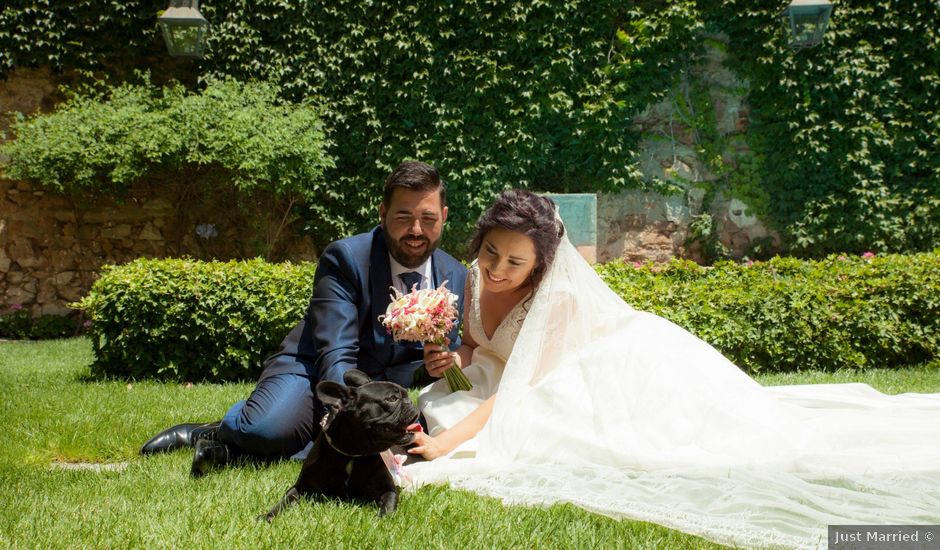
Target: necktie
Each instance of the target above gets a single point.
(410, 279)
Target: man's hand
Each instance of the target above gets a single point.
(438, 358)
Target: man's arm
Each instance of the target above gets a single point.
(333, 314)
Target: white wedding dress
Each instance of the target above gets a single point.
(624, 413)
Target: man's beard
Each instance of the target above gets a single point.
(402, 255)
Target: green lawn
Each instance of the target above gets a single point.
(55, 419)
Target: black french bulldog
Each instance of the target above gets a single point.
(365, 418)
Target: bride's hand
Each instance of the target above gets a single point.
(438, 358)
(427, 446)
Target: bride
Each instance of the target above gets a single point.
(580, 398)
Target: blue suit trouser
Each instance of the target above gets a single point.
(277, 420)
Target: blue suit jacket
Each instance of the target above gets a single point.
(341, 331)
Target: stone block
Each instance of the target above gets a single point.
(26, 90)
(663, 158)
(55, 308)
(158, 205)
(739, 242)
(72, 293)
(150, 233)
(116, 231)
(16, 276)
(63, 278)
(19, 295)
(696, 196)
(88, 232)
(4, 261)
(16, 200)
(47, 294)
(101, 215)
(22, 251)
(15, 228)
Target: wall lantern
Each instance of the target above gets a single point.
(184, 28)
(806, 21)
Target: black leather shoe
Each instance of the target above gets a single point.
(210, 455)
(177, 437)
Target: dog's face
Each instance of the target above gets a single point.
(366, 417)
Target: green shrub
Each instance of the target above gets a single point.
(235, 134)
(786, 314)
(15, 323)
(18, 324)
(46, 327)
(235, 144)
(189, 320)
(192, 320)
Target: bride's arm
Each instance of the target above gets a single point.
(448, 440)
(437, 358)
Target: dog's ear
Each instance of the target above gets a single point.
(332, 394)
(355, 378)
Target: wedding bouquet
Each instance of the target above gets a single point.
(425, 315)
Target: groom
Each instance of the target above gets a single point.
(340, 330)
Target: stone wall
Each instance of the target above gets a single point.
(51, 248)
(26, 91)
(639, 226)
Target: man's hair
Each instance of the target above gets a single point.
(414, 176)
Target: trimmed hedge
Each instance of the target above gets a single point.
(18, 324)
(788, 314)
(189, 320)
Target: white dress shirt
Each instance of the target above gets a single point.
(397, 269)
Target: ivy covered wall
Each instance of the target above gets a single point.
(846, 135)
(839, 151)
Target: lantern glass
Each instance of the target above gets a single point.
(184, 29)
(806, 21)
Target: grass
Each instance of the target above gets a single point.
(53, 414)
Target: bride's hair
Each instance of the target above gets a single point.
(527, 213)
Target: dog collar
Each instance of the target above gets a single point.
(337, 449)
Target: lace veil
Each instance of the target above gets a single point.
(625, 414)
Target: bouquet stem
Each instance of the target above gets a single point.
(457, 380)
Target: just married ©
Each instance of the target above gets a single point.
(876, 536)
(576, 396)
